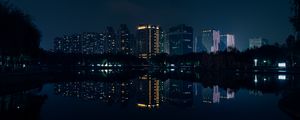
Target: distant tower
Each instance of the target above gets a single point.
(112, 44)
(124, 38)
(257, 42)
(181, 39)
(164, 42)
(148, 40)
(211, 40)
(227, 41)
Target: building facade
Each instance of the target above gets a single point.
(148, 41)
(181, 40)
(227, 42)
(110, 38)
(124, 38)
(84, 43)
(257, 42)
(211, 40)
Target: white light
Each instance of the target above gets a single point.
(255, 62)
(255, 79)
(98, 65)
(265, 61)
(282, 77)
(172, 65)
(172, 69)
(282, 65)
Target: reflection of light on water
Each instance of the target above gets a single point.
(281, 77)
(265, 79)
(255, 92)
(282, 71)
(255, 79)
(216, 94)
(282, 65)
(230, 93)
(255, 62)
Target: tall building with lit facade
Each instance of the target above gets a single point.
(164, 42)
(110, 38)
(148, 40)
(198, 45)
(257, 42)
(227, 41)
(211, 40)
(84, 43)
(181, 39)
(124, 38)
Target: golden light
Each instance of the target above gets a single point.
(142, 105)
(141, 27)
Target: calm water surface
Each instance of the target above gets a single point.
(149, 97)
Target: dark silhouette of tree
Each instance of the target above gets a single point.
(18, 35)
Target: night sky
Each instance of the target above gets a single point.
(244, 18)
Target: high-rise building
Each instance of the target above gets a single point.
(124, 38)
(164, 43)
(181, 39)
(198, 45)
(227, 41)
(211, 39)
(92, 43)
(148, 39)
(84, 43)
(257, 42)
(110, 38)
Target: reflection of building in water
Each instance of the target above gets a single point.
(255, 92)
(230, 94)
(179, 92)
(215, 94)
(108, 92)
(148, 92)
(24, 105)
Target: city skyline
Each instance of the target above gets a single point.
(243, 18)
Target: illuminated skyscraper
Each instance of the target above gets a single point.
(112, 44)
(164, 43)
(211, 39)
(181, 39)
(257, 42)
(124, 38)
(227, 41)
(148, 40)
